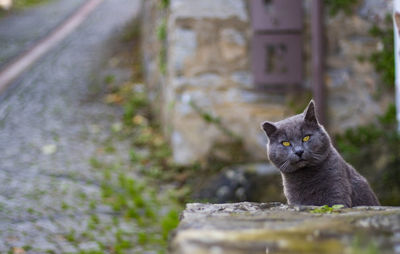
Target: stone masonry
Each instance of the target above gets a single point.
(277, 228)
(207, 97)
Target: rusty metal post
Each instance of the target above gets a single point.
(317, 44)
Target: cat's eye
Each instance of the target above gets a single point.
(286, 143)
(306, 138)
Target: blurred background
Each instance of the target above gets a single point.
(226, 66)
(115, 113)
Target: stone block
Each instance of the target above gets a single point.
(375, 9)
(244, 79)
(232, 44)
(221, 9)
(192, 139)
(278, 228)
(202, 81)
(348, 110)
(183, 46)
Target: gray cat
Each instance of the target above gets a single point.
(313, 172)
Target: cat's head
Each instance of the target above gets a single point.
(297, 142)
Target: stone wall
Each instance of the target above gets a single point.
(277, 228)
(152, 18)
(353, 85)
(206, 98)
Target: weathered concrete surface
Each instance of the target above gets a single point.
(277, 228)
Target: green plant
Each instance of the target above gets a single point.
(327, 209)
(162, 38)
(383, 60)
(169, 222)
(92, 205)
(164, 4)
(388, 119)
(91, 252)
(209, 118)
(162, 30)
(27, 3)
(71, 236)
(94, 163)
(374, 150)
(93, 222)
(64, 206)
(132, 106)
(335, 6)
(363, 245)
(162, 60)
(134, 197)
(132, 32)
(27, 247)
(109, 79)
(162, 54)
(142, 238)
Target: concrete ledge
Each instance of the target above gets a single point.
(278, 228)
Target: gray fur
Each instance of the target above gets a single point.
(313, 172)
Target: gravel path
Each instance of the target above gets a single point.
(52, 123)
(21, 30)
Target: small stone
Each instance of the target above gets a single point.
(66, 247)
(49, 149)
(240, 193)
(223, 190)
(89, 246)
(116, 127)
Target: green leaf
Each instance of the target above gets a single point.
(337, 207)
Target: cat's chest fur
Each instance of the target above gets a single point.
(318, 185)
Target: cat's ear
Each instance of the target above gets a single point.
(309, 113)
(269, 128)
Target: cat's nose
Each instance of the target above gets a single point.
(299, 153)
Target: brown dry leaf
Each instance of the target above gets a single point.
(181, 177)
(100, 150)
(158, 140)
(114, 98)
(144, 162)
(147, 132)
(139, 120)
(126, 87)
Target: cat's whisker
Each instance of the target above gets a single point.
(284, 165)
(281, 164)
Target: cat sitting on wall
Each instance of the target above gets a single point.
(313, 172)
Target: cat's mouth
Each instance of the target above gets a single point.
(301, 161)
